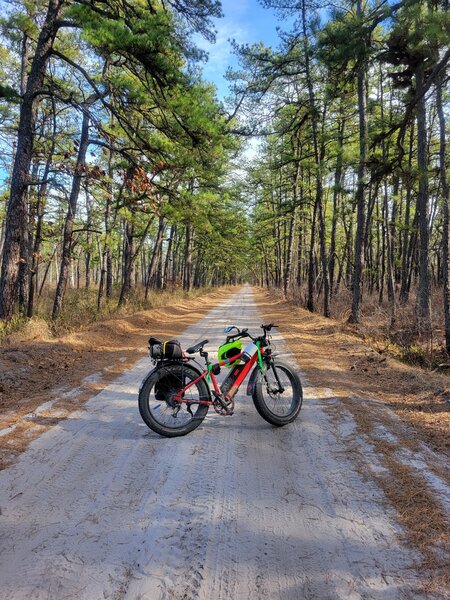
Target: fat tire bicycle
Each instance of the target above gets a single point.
(175, 396)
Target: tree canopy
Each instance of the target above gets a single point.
(124, 170)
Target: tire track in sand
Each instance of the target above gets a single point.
(100, 507)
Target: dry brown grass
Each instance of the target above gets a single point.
(401, 338)
(421, 397)
(80, 309)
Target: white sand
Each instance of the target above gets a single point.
(101, 507)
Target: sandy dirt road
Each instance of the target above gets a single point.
(101, 507)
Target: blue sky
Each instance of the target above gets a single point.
(244, 21)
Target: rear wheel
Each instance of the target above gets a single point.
(278, 396)
(158, 407)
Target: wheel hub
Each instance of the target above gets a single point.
(171, 401)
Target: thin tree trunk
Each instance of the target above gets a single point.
(47, 269)
(88, 255)
(337, 191)
(289, 253)
(311, 262)
(169, 253)
(389, 256)
(40, 217)
(360, 191)
(423, 292)
(106, 273)
(175, 258)
(318, 156)
(388, 228)
(187, 278)
(68, 227)
(155, 256)
(127, 263)
(409, 235)
(445, 213)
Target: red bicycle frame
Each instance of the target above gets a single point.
(208, 372)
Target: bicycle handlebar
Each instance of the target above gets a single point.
(241, 333)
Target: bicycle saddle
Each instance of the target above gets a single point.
(198, 346)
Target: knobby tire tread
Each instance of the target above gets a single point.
(149, 385)
(260, 403)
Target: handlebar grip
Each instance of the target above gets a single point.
(269, 326)
(242, 333)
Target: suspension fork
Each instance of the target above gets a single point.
(280, 387)
(271, 364)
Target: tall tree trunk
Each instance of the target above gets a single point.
(42, 193)
(409, 235)
(128, 263)
(389, 228)
(198, 271)
(169, 257)
(68, 226)
(445, 212)
(289, 253)
(155, 256)
(130, 273)
(25, 253)
(175, 260)
(389, 256)
(311, 262)
(88, 255)
(318, 157)
(16, 228)
(187, 277)
(106, 273)
(381, 254)
(360, 190)
(396, 208)
(38, 237)
(423, 292)
(337, 191)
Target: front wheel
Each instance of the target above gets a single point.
(278, 397)
(158, 407)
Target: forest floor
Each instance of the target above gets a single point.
(44, 378)
(350, 501)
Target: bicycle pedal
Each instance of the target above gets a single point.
(224, 409)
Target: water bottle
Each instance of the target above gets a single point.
(249, 351)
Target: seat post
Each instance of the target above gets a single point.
(204, 355)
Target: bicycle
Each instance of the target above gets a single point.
(175, 396)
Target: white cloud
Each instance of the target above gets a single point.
(220, 54)
(244, 21)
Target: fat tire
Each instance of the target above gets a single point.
(261, 405)
(148, 388)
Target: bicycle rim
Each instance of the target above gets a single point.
(163, 407)
(282, 404)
